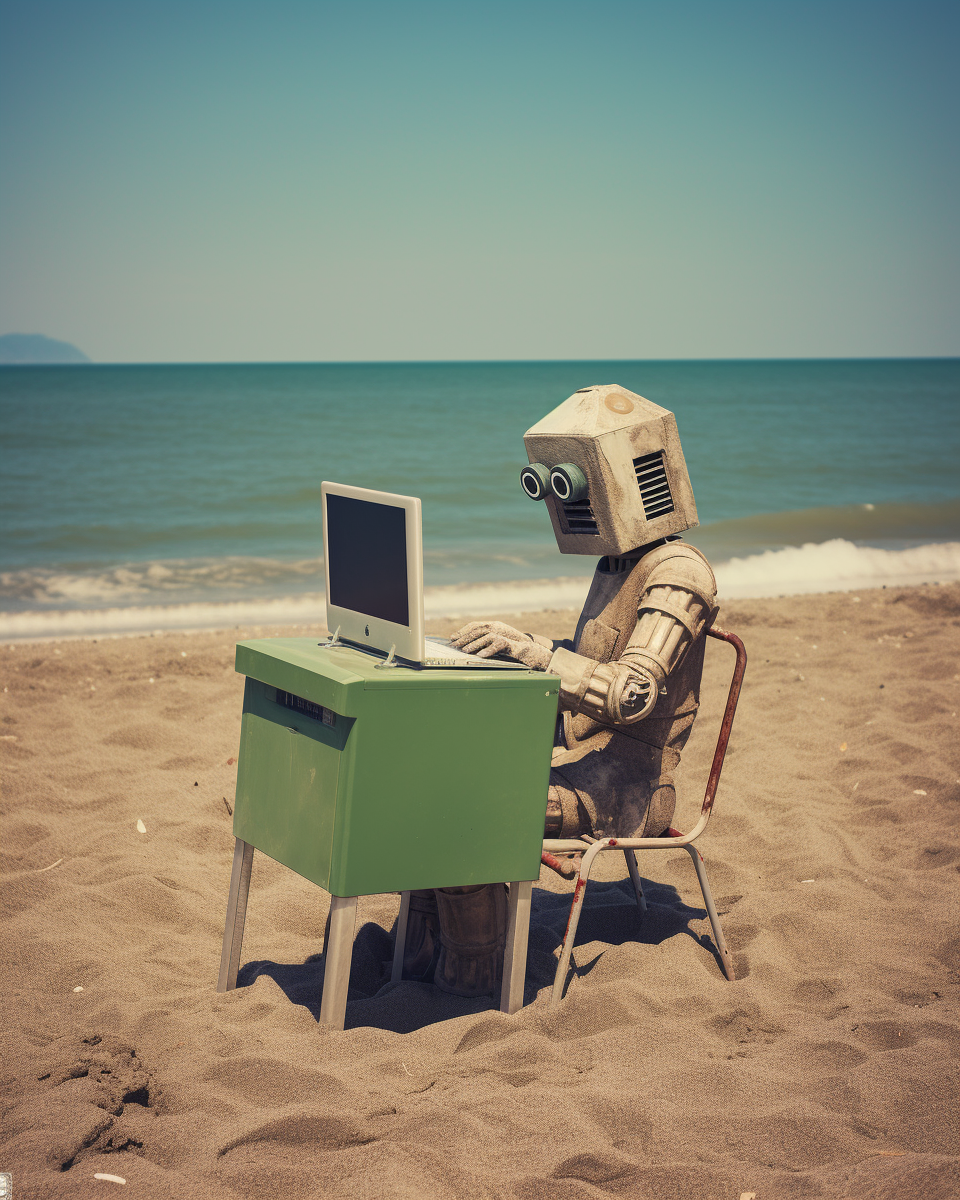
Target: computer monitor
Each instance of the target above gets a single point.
(373, 561)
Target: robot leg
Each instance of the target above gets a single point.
(567, 815)
(423, 929)
(473, 928)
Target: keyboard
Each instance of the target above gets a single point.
(438, 652)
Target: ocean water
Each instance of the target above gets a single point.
(144, 496)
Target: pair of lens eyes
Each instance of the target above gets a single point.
(567, 482)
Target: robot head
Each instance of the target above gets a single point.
(609, 465)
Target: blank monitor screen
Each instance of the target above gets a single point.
(367, 558)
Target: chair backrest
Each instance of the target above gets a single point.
(728, 714)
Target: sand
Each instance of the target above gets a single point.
(826, 1070)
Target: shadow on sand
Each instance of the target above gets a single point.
(609, 917)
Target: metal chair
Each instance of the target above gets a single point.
(674, 841)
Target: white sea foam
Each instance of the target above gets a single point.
(146, 582)
(453, 601)
(831, 566)
(104, 622)
(835, 566)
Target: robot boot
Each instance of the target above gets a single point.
(473, 926)
(423, 928)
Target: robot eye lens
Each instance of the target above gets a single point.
(568, 482)
(535, 481)
(560, 486)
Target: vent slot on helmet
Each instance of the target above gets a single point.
(653, 485)
(578, 517)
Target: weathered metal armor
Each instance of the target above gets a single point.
(640, 635)
(610, 467)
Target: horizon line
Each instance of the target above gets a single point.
(426, 362)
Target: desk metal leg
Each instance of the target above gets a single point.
(515, 952)
(236, 914)
(396, 973)
(338, 952)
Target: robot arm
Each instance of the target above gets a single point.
(671, 616)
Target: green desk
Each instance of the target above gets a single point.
(365, 779)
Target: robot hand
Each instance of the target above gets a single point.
(631, 695)
(486, 638)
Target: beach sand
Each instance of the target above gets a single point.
(826, 1070)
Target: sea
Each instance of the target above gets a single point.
(171, 497)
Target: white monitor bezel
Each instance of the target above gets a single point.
(374, 633)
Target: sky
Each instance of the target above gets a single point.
(302, 180)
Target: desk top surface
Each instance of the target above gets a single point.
(301, 666)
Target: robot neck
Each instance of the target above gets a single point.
(620, 564)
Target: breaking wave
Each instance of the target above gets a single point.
(835, 565)
(200, 579)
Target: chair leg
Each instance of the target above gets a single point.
(725, 957)
(631, 857)
(515, 951)
(396, 973)
(236, 915)
(568, 939)
(338, 952)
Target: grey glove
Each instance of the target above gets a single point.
(486, 638)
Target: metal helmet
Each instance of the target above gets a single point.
(610, 467)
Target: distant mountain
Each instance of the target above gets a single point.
(35, 348)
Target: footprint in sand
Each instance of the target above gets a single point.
(824, 1058)
(304, 1131)
(738, 938)
(820, 996)
(135, 737)
(931, 857)
(599, 1171)
(101, 1078)
(184, 762)
(270, 1083)
(883, 1035)
(743, 1028)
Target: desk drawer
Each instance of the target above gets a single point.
(287, 782)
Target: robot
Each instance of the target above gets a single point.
(609, 467)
